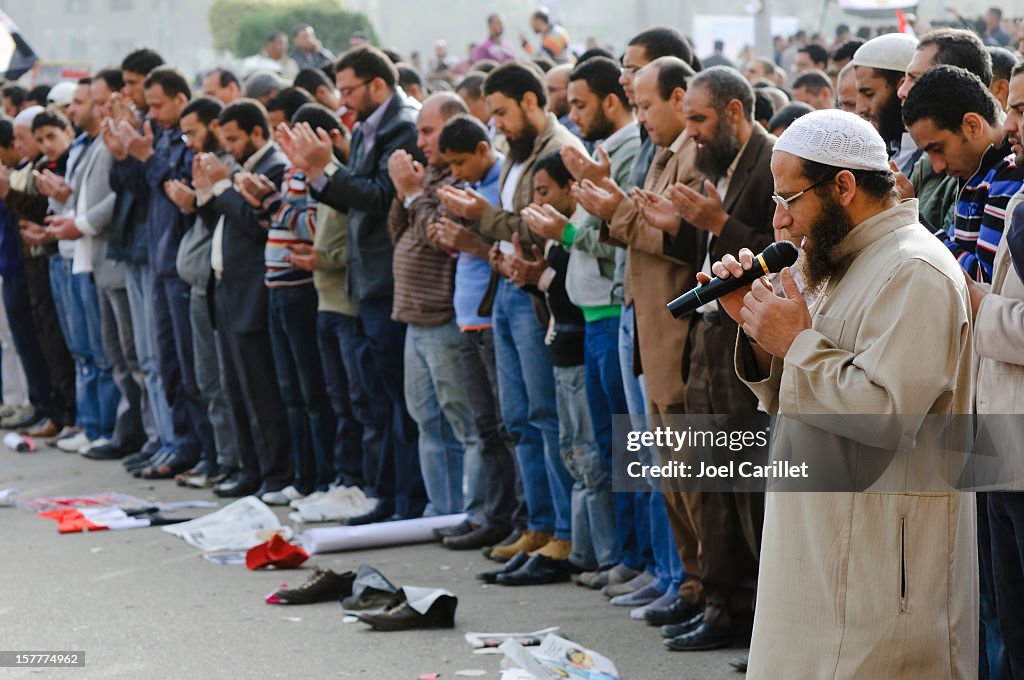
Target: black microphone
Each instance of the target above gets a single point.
(772, 259)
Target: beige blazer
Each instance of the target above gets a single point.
(653, 279)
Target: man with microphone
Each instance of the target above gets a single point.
(732, 211)
(856, 584)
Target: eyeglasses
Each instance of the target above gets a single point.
(347, 91)
(784, 203)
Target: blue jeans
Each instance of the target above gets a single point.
(26, 343)
(527, 395)
(606, 397)
(297, 364)
(439, 403)
(78, 311)
(593, 508)
(356, 438)
(663, 559)
(156, 413)
(398, 480)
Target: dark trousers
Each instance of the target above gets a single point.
(293, 339)
(398, 473)
(731, 523)
(356, 439)
(192, 432)
(50, 341)
(119, 347)
(255, 401)
(1006, 532)
(497, 464)
(26, 343)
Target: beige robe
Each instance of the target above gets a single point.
(872, 585)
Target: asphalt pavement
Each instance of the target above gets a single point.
(143, 604)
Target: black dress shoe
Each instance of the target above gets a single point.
(382, 512)
(108, 452)
(235, 488)
(517, 561)
(399, 615)
(538, 570)
(676, 629)
(370, 590)
(482, 536)
(460, 529)
(740, 663)
(679, 611)
(703, 638)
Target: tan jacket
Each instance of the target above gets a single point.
(500, 225)
(869, 585)
(653, 279)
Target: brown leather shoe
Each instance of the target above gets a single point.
(528, 542)
(46, 428)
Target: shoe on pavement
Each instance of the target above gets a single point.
(512, 537)
(44, 429)
(636, 583)
(74, 443)
(323, 585)
(339, 504)
(282, 497)
(94, 444)
(528, 542)
(24, 417)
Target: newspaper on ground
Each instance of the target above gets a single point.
(239, 526)
(556, 659)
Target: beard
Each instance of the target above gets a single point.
(890, 120)
(715, 156)
(828, 231)
(210, 144)
(600, 128)
(248, 151)
(521, 146)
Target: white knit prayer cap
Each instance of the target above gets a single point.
(836, 138)
(25, 118)
(889, 52)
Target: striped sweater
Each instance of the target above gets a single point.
(292, 215)
(424, 275)
(981, 211)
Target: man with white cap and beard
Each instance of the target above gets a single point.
(856, 584)
(880, 66)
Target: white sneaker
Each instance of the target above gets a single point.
(308, 499)
(94, 444)
(282, 497)
(8, 410)
(337, 504)
(74, 443)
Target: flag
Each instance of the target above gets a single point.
(16, 57)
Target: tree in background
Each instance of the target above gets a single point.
(242, 26)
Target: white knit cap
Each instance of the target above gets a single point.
(889, 52)
(836, 138)
(25, 118)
